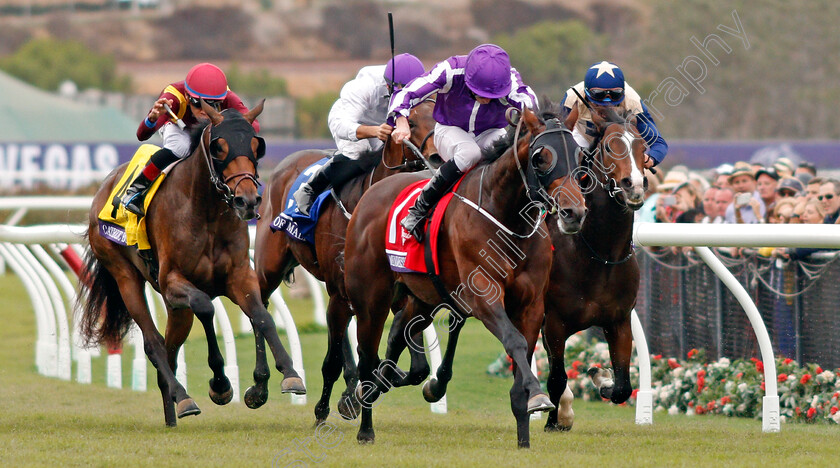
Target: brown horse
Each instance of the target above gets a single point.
(277, 254)
(505, 293)
(594, 276)
(199, 250)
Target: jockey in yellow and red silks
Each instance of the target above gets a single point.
(204, 81)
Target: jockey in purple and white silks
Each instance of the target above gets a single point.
(357, 123)
(604, 86)
(473, 93)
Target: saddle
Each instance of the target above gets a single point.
(120, 225)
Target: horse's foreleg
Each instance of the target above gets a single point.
(243, 291)
(435, 388)
(406, 331)
(554, 341)
(338, 316)
(620, 339)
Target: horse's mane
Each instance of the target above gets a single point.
(500, 146)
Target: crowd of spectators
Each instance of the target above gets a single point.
(744, 193)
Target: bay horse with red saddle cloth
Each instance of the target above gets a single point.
(507, 295)
(276, 254)
(197, 231)
(594, 275)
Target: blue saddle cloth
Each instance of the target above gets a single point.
(293, 222)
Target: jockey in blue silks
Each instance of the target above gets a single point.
(604, 86)
(473, 93)
(356, 122)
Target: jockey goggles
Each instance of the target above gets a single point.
(602, 94)
(214, 103)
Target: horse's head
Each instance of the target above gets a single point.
(618, 162)
(422, 125)
(234, 149)
(549, 159)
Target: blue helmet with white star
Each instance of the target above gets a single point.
(604, 76)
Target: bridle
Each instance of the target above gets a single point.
(610, 185)
(216, 167)
(535, 180)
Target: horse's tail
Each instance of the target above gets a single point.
(105, 317)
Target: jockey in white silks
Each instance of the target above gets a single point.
(357, 123)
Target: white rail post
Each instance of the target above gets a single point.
(231, 368)
(644, 397)
(317, 290)
(294, 344)
(770, 421)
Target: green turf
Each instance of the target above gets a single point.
(48, 422)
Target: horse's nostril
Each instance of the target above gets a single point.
(626, 182)
(258, 202)
(239, 201)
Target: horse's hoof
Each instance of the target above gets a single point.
(428, 394)
(524, 444)
(254, 398)
(223, 397)
(557, 428)
(349, 407)
(365, 438)
(606, 392)
(187, 407)
(293, 385)
(540, 402)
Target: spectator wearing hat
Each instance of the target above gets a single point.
(766, 182)
(806, 167)
(789, 187)
(665, 205)
(744, 209)
(721, 175)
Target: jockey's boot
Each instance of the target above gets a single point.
(135, 195)
(338, 170)
(434, 190)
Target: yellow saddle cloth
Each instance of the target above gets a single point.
(118, 224)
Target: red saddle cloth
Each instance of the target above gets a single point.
(405, 254)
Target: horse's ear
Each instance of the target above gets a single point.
(215, 116)
(532, 122)
(260, 147)
(599, 119)
(252, 114)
